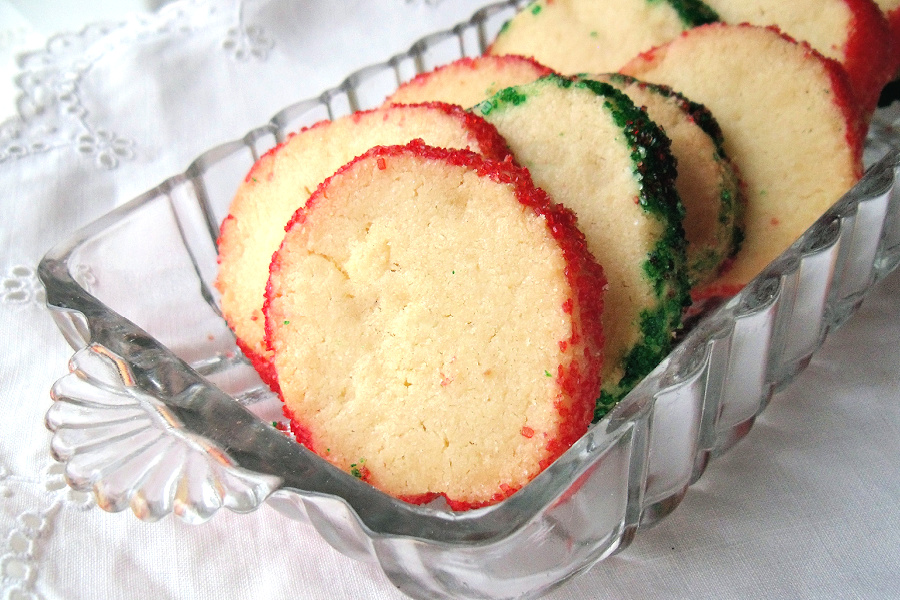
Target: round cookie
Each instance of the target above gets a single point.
(283, 179)
(707, 182)
(435, 322)
(594, 151)
(792, 128)
(468, 81)
(591, 36)
(853, 32)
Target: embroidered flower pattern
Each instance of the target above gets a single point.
(247, 43)
(55, 482)
(16, 142)
(18, 564)
(18, 568)
(21, 286)
(51, 115)
(106, 147)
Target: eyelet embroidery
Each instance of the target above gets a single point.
(21, 286)
(18, 568)
(107, 148)
(55, 483)
(18, 557)
(246, 43)
(51, 115)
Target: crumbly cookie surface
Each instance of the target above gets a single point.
(594, 151)
(707, 181)
(789, 123)
(284, 178)
(435, 323)
(587, 36)
(468, 81)
(852, 32)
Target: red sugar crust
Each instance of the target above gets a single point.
(893, 19)
(844, 96)
(580, 379)
(489, 141)
(474, 63)
(713, 292)
(482, 135)
(262, 364)
(301, 433)
(267, 156)
(854, 115)
(868, 54)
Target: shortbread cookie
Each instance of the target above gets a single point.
(282, 180)
(853, 32)
(591, 149)
(707, 180)
(789, 122)
(590, 36)
(435, 322)
(468, 81)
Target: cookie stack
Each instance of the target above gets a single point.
(448, 290)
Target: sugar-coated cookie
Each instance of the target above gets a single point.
(853, 32)
(789, 122)
(891, 11)
(283, 179)
(468, 81)
(707, 182)
(596, 36)
(435, 322)
(594, 151)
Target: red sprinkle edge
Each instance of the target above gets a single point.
(579, 377)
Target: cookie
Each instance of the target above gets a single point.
(707, 182)
(853, 32)
(594, 151)
(435, 323)
(468, 81)
(789, 123)
(591, 36)
(283, 179)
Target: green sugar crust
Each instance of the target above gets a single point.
(701, 115)
(692, 13)
(666, 265)
(731, 206)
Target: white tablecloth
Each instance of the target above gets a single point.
(805, 507)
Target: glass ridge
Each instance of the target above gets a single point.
(167, 417)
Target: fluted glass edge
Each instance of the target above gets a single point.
(162, 428)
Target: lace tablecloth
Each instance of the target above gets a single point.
(805, 507)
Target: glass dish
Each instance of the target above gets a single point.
(161, 413)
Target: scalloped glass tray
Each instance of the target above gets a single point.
(161, 413)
